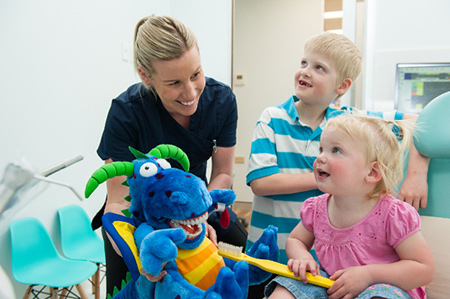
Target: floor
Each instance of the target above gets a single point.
(243, 210)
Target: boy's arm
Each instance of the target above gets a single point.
(263, 155)
(414, 189)
(283, 183)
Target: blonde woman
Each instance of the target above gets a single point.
(174, 104)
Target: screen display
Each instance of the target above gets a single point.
(419, 83)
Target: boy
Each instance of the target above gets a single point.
(286, 139)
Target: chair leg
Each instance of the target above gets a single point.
(81, 291)
(96, 284)
(53, 293)
(63, 293)
(28, 292)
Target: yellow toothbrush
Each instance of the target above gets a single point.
(235, 253)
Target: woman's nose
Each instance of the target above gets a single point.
(190, 91)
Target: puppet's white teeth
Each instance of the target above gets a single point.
(194, 221)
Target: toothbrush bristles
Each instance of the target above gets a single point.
(230, 248)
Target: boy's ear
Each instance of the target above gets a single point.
(345, 85)
(374, 174)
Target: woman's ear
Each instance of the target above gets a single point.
(375, 173)
(144, 76)
(344, 86)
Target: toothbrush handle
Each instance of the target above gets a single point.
(283, 270)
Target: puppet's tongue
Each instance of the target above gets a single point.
(225, 219)
(191, 229)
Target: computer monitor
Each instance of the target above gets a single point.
(416, 84)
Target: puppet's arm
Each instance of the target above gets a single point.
(265, 247)
(157, 246)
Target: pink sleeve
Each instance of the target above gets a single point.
(307, 213)
(403, 222)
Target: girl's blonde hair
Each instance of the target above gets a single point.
(160, 38)
(385, 142)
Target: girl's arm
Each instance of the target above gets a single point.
(298, 244)
(415, 269)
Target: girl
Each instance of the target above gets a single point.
(366, 239)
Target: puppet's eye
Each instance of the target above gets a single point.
(163, 163)
(148, 169)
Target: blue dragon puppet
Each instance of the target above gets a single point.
(168, 211)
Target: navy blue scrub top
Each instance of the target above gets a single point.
(139, 120)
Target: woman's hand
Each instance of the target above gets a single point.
(153, 278)
(211, 233)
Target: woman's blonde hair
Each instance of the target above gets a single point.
(160, 38)
(341, 50)
(385, 142)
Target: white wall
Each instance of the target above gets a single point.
(268, 46)
(401, 31)
(60, 66)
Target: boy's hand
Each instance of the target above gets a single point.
(414, 191)
(349, 283)
(299, 267)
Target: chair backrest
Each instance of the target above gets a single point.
(433, 141)
(78, 240)
(30, 244)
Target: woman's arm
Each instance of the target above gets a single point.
(115, 202)
(222, 168)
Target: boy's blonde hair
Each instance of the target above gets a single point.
(341, 50)
(381, 142)
(160, 38)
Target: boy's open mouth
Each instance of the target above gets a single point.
(304, 83)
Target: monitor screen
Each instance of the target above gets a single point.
(416, 84)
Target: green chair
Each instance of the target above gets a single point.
(36, 262)
(433, 141)
(80, 242)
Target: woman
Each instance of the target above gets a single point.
(174, 104)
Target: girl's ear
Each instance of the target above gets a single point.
(144, 76)
(345, 85)
(374, 174)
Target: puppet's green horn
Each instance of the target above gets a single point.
(106, 172)
(163, 151)
(137, 154)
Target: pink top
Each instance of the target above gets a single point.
(370, 241)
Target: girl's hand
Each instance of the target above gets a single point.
(349, 283)
(299, 267)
